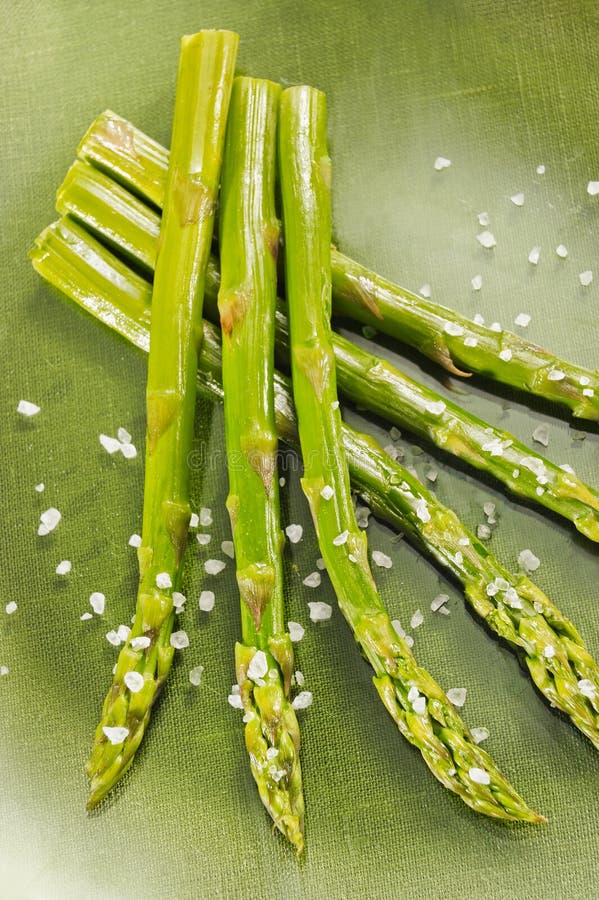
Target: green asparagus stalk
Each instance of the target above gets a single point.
(204, 82)
(417, 704)
(249, 238)
(441, 334)
(100, 283)
(102, 205)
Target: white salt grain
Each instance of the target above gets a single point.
(281, 481)
(214, 566)
(206, 601)
(470, 341)
(129, 451)
(3, 670)
(320, 564)
(134, 681)
(477, 282)
(431, 475)
(486, 239)
(518, 199)
(419, 706)
(534, 256)
(540, 170)
(417, 619)
(97, 601)
(141, 642)
(303, 700)
(505, 355)
(561, 251)
(86, 616)
(179, 601)
(110, 444)
(483, 532)
(588, 392)
(541, 434)
(228, 549)
(64, 567)
(479, 735)
(528, 561)
(49, 520)
(457, 696)
(495, 326)
(40, 487)
(453, 329)
(203, 539)
(163, 581)
(113, 638)
(341, 539)
(319, 611)
(235, 700)
(135, 540)
(381, 559)
(179, 640)
(299, 678)
(436, 407)
(483, 219)
(296, 631)
(123, 632)
(115, 735)
(123, 436)
(195, 675)
(294, 533)
(442, 162)
(585, 278)
(587, 688)
(11, 607)
(205, 517)
(479, 776)
(258, 666)
(593, 188)
(327, 492)
(27, 409)
(523, 320)
(478, 319)
(425, 291)
(313, 580)
(549, 651)
(335, 404)
(556, 375)
(439, 601)
(194, 520)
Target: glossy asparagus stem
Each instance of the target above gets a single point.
(206, 67)
(368, 380)
(97, 281)
(419, 707)
(249, 238)
(445, 336)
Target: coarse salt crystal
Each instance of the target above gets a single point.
(320, 564)
(123, 632)
(453, 329)
(40, 487)
(205, 517)
(203, 538)
(549, 651)
(585, 278)
(49, 520)
(431, 475)
(235, 700)
(303, 700)
(486, 239)
(512, 598)
(312, 580)
(327, 492)
(566, 467)
(134, 681)
(381, 559)
(64, 567)
(129, 451)
(299, 678)
(163, 580)
(425, 291)
(294, 533)
(419, 706)
(495, 326)
(282, 481)
(457, 696)
(588, 392)
(518, 199)
(523, 320)
(319, 611)
(541, 434)
(540, 170)
(439, 601)
(179, 640)
(206, 601)
(479, 776)
(421, 509)
(593, 188)
(110, 444)
(27, 408)
(417, 619)
(470, 341)
(258, 666)
(86, 616)
(556, 375)
(141, 642)
(134, 540)
(442, 162)
(179, 601)
(587, 688)
(528, 561)
(3, 670)
(335, 404)
(505, 355)
(479, 735)
(534, 256)
(413, 694)
(477, 282)
(97, 601)
(478, 319)
(115, 735)
(123, 436)
(214, 566)
(228, 549)
(561, 251)
(10, 607)
(296, 631)
(113, 638)
(483, 219)
(436, 407)
(341, 538)
(195, 675)
(483, 532)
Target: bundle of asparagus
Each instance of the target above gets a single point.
(104, 253)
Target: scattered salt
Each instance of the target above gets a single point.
(561, 251)
(549, 651)
(442, 162)
(134, 681)
(110, 444)
(97, 601)
(327, 492)
(417, 619)
(214, 566)
(115, 735)
(483, 219)
(541, 434)
(258, 666)
(3, 670)
(479, 776)
(523, 320)
(49, 520)
(194, 520)
(556, 375)
(425, 291)
(486, 239)
(505, 355)
(453, 329)
(296, 631)
(235, 699)
(123, 632)
(436, 407)
(419, 706)
(477, 282)
(303, 700)
(320, 564)
(195, 675)
(141, 642)
(294, 533)
(381, 559)
(534, 256)
(228, 549)
(319, 611)
(123, 436)
(341, 538)
(478, 319)
(179, 640)
(86, 616)
(470, 341)
(585, 278)
(483, 532)
(64, 567)
(457, 696)
(135, 540)
(518, 199)
(587, 688)
(28, 409)
(163, 581)
(421, 509)
(313, 580)
(281, 481)
(593, 188)
(179, 601)
(495, 326)
(540, 170)
(439, 601)
(206, 601)
(129, 451)
(528, 561)
(203, 539)
(11, 607)
(40, 487)
(479, 735)
(431, 475)
(205, 517)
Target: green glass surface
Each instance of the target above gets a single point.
(497, 87)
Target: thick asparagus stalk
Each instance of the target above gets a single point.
(417, 704)
(204, 82)
(445, 336)
(97, 281)
(362, 377)
(249, 238)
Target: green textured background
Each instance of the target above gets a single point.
(498, 87)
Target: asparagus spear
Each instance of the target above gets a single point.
(417, 704)
(445, 336)
(204, 82)
(249, 237)
(102, 205)
(75, 263)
